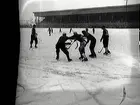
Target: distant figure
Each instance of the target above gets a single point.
(139, 36)
(93, 30)
(61, 45)
(52, 30)
(139, 39)
(82, 41)
(86, 29)
(34, 37)
(92, 40)
(60, 30)
(105, 38)
(70, 30)
(49, 29)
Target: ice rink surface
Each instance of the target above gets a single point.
(98, 81)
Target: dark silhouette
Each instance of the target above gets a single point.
(70, 30)
(60, 30)
(52, 30)
(61, 45)
(93, 30)
(92, 40)
(49, 29)
(105, 38)
(34, 37)
(86, 29)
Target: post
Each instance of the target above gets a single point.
(126, 12)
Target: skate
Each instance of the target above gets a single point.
(84, 59)
(35, 46)
(69, 60)
(57, 58)
(80, 58)
(106, 53)
(30, 46)
(92, 56)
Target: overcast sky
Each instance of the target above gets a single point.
(27, 7)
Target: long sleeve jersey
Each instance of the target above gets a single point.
(78, 37)
(33, 31)
(62, 40)
(105, 34)
(90, 37)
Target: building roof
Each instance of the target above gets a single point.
(109, 9)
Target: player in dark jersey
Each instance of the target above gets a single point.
(61, 45)
(92, 40)
(60, 30)
(82, 41)
(105, 38)
(86, 29)
(52, 30)
(49, 29)
(70, 30)
(34, 37)
(93, 29)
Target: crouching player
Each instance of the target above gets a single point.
(61, 45)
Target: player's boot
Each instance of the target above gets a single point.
(30, 46)
(69, 60)
(109, 52)
(35, 46)
(85, 59)
(57, 57)
(92, 55)
(80, 58)
(106, 53)
(95, 56)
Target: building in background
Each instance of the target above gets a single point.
(112, 16)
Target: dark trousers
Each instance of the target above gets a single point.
(91, 47)
(105, 42)
(63, 48)
(33, 38)
(49, 33)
